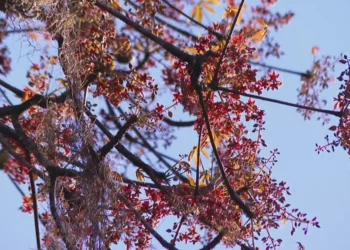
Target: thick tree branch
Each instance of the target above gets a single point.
(14, 90)
(32, 147)
(234, 196)
(145, 143)
(178, 123)
(167, 46)
(62, 230)
(212, 244)
(12, 152)
(116, 139)
(153, 174)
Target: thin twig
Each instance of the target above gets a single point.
(160, 239)
(302, 74)
(7, 32)
(215, 82)
(325, 111)
(219, 36)
(198, 160)
(35, 208)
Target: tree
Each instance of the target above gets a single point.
(136, 58)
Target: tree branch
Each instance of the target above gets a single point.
(302, 74)
(215, 82)
(12, 152)
(32, 147)
(330, 112)
(64, 234)
(116, 139)
(212, 244)
(160, 239)
(15, 31)
(167, 46)
(179, 123)
(195, 72)
(218, 36)
(153, 174)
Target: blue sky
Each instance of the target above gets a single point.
(320, 184)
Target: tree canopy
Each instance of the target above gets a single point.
(116, 85)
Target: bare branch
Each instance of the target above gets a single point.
(178, 123)
(16, 31)
(35, 209)
(302, 74)
(116, 139)
(330, 112)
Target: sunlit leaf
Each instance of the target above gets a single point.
(259, 36)
(197, 13)
(209, 9)
(139, 175)
(206, 176)
(192, 51)
(185, 166)
(34, 35)
(205, 152)
(213, 2)
(261, 22)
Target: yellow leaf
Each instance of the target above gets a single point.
(34, 35)
(206, 176)
(185, 166)
(197, 13)
(190, 178)
(191, 50)
(209, 9)
(192, 153)
(258, 36)
(63, 82)
(205, 152)
(193, 183)
(232, 11)
(219, 46)
(236, 165)
(261, 22)
(284, 220)
(139, 175)
(213, 2)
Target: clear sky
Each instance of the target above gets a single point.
(320, 184)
